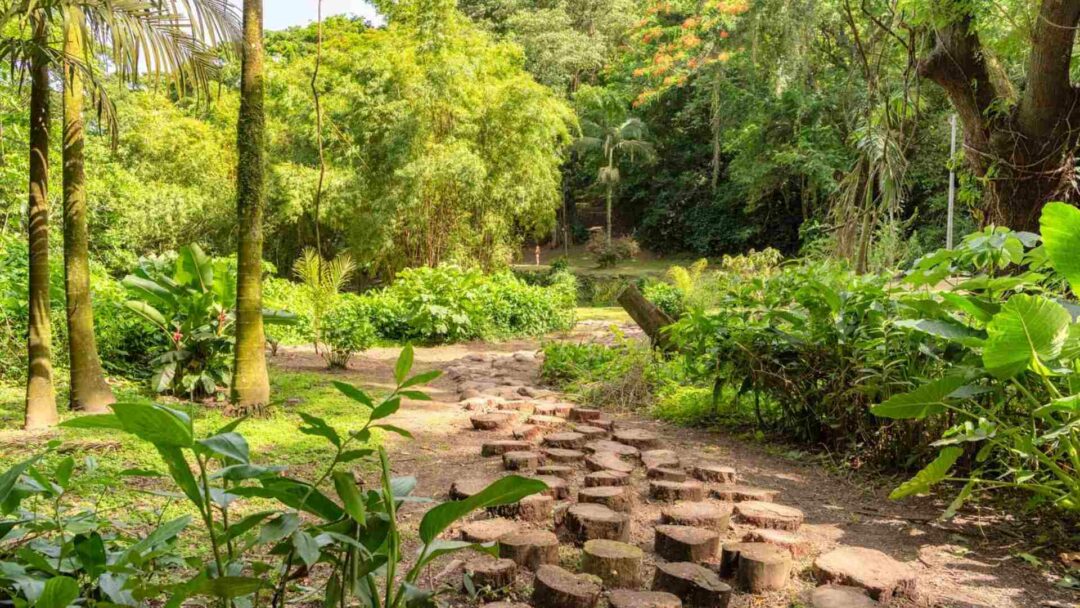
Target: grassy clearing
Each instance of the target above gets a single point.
(614, 314)
(581, 262)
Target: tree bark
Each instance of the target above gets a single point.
(251, 385)
(89, 391)
(40, 396)
(1023, 146)
(647, 315)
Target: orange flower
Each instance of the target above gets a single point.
(725, 34)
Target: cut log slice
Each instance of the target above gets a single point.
(760, 567)
(673, 491)
(566, 441)
(735, 493)
(527, 432)
(522, 461)
(512, 406)
(587, 522)
(530, 549)
(619, 449)
(557, 486)
(502, 446)
(882, 576)
(506, 605)
(546, 422)
(793, 543)
(698, 586)
(608, 461)
(605, 423)
(583, 414)
(617, 564)
(714, 472)
(558, 588)
(468, 395)
(625, 598)
(616, 498)
(487, 530)
(606, 478)
(840, 596)
(562, 410)
(556, 470)
(666, 474)
(491, 572)
(564, 456)
(535, 508)
(660, 458)
(707, 515)
(686, 544)
(640, 439)
(590, 432)
(492, 422)
(769, 515)
(464, 488)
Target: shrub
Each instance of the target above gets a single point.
(347, 330)
(610, 254)
(619, 376)
(666, 297)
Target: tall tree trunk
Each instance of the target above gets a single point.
(40, 396)
(251, 385)
(89, 392)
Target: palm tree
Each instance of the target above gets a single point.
(617, 142)
(251, 385)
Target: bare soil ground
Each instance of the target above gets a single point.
(970, 562)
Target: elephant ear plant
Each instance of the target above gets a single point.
(330, 527)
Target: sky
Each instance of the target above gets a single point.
(280, 14)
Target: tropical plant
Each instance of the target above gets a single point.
(348, 331)
(322, 281)
(357, 536)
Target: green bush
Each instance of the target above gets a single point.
(347, 330)
(666, 297)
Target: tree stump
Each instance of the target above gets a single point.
(461, 489)
(590, 432)
(556, 470)
(698, 586)
(625, 598)
(686, 543)
(492, 573)
(566, 441)
(605, 423)
(512, 406)
(557, 487)
(530, 549)
(735, 493)
(522, 461)
(582, 414)
(714, 473)
(546, 422)
(672, 491)
(638, 438)
(557, 588)
(563, 456)
(527, 432)
(606, 478)
(649, 317)
(562, 410)
(535, 508)
(757, 567)
(506, 605)
(617, 564)
(487, 530)
(665, 474)
(839, 596)
(769, 515)
(502, 446)
(616, 498)
(620, 449)
(660, 458)
(587, 522)
(607, 461)
(699, 514)
(882, 576)
(491, 422)
(789, 541)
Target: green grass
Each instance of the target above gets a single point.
(614, 314)
(582, 263)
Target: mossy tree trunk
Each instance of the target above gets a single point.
(40, 396)
(251, 385)
(89, 392)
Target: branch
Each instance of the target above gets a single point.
(1049, 96)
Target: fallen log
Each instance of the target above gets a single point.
(647, 315)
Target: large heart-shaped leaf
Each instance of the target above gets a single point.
(1060, 225)
(934, 472)
(1028, 332)
(504, 491)
(924, 401)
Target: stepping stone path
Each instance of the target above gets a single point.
(608, 461)
(839, 596)
(535, 508)
(491, 572)
(605, 423)
(625, 598)
(698, 586)
(757, 567)
(587, 522)
(660, 458)
(616, 498)
(606, 478)
(530, 549)
(769, 515)
(590, 432)
(557, 470)
(686, 544)
(502, 446)
(557, 486)
(561, 410)
(713, 472)
(882, 576)
(642, 440)
(796, 545)
(558, 588)
(487, 530)
(522, 461)
(492, 422)
(672, 491)
(464, 488)
(528, 432)
(546, 422)
(564, 456)
(666, 474)
(744, 493)
(614, 447)
(566, 441)
(581, 414)
(699, 514)
(506, 605)
(617, 564)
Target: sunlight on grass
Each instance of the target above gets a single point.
(614, 314)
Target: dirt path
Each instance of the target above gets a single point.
(954, 565)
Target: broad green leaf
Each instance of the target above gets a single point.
(404, 364)
(504, 491)
(1065, 404)
(350, 496)
(194, 268)
(943, 329)
(934, 473)
(157, 424)
(229, 587)
(386, 408)
(278, 528)
(148, 312)
(318, 427)
(978, 308)
(247, 524)
(94, 421)
(91, 552)
(1028, 333)
(162, 534)
(422, 378)
(306, 547)
(354, 393)
(1060, 226)
(231, 446)
(921, 402)
(10, 476)
(394, 429)
(295, 494)
(59, 592)
(181, 472)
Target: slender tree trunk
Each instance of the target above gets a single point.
(251, 385)
(89, 392)
(610, 193)
(40, 396)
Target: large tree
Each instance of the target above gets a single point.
(251, 385)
